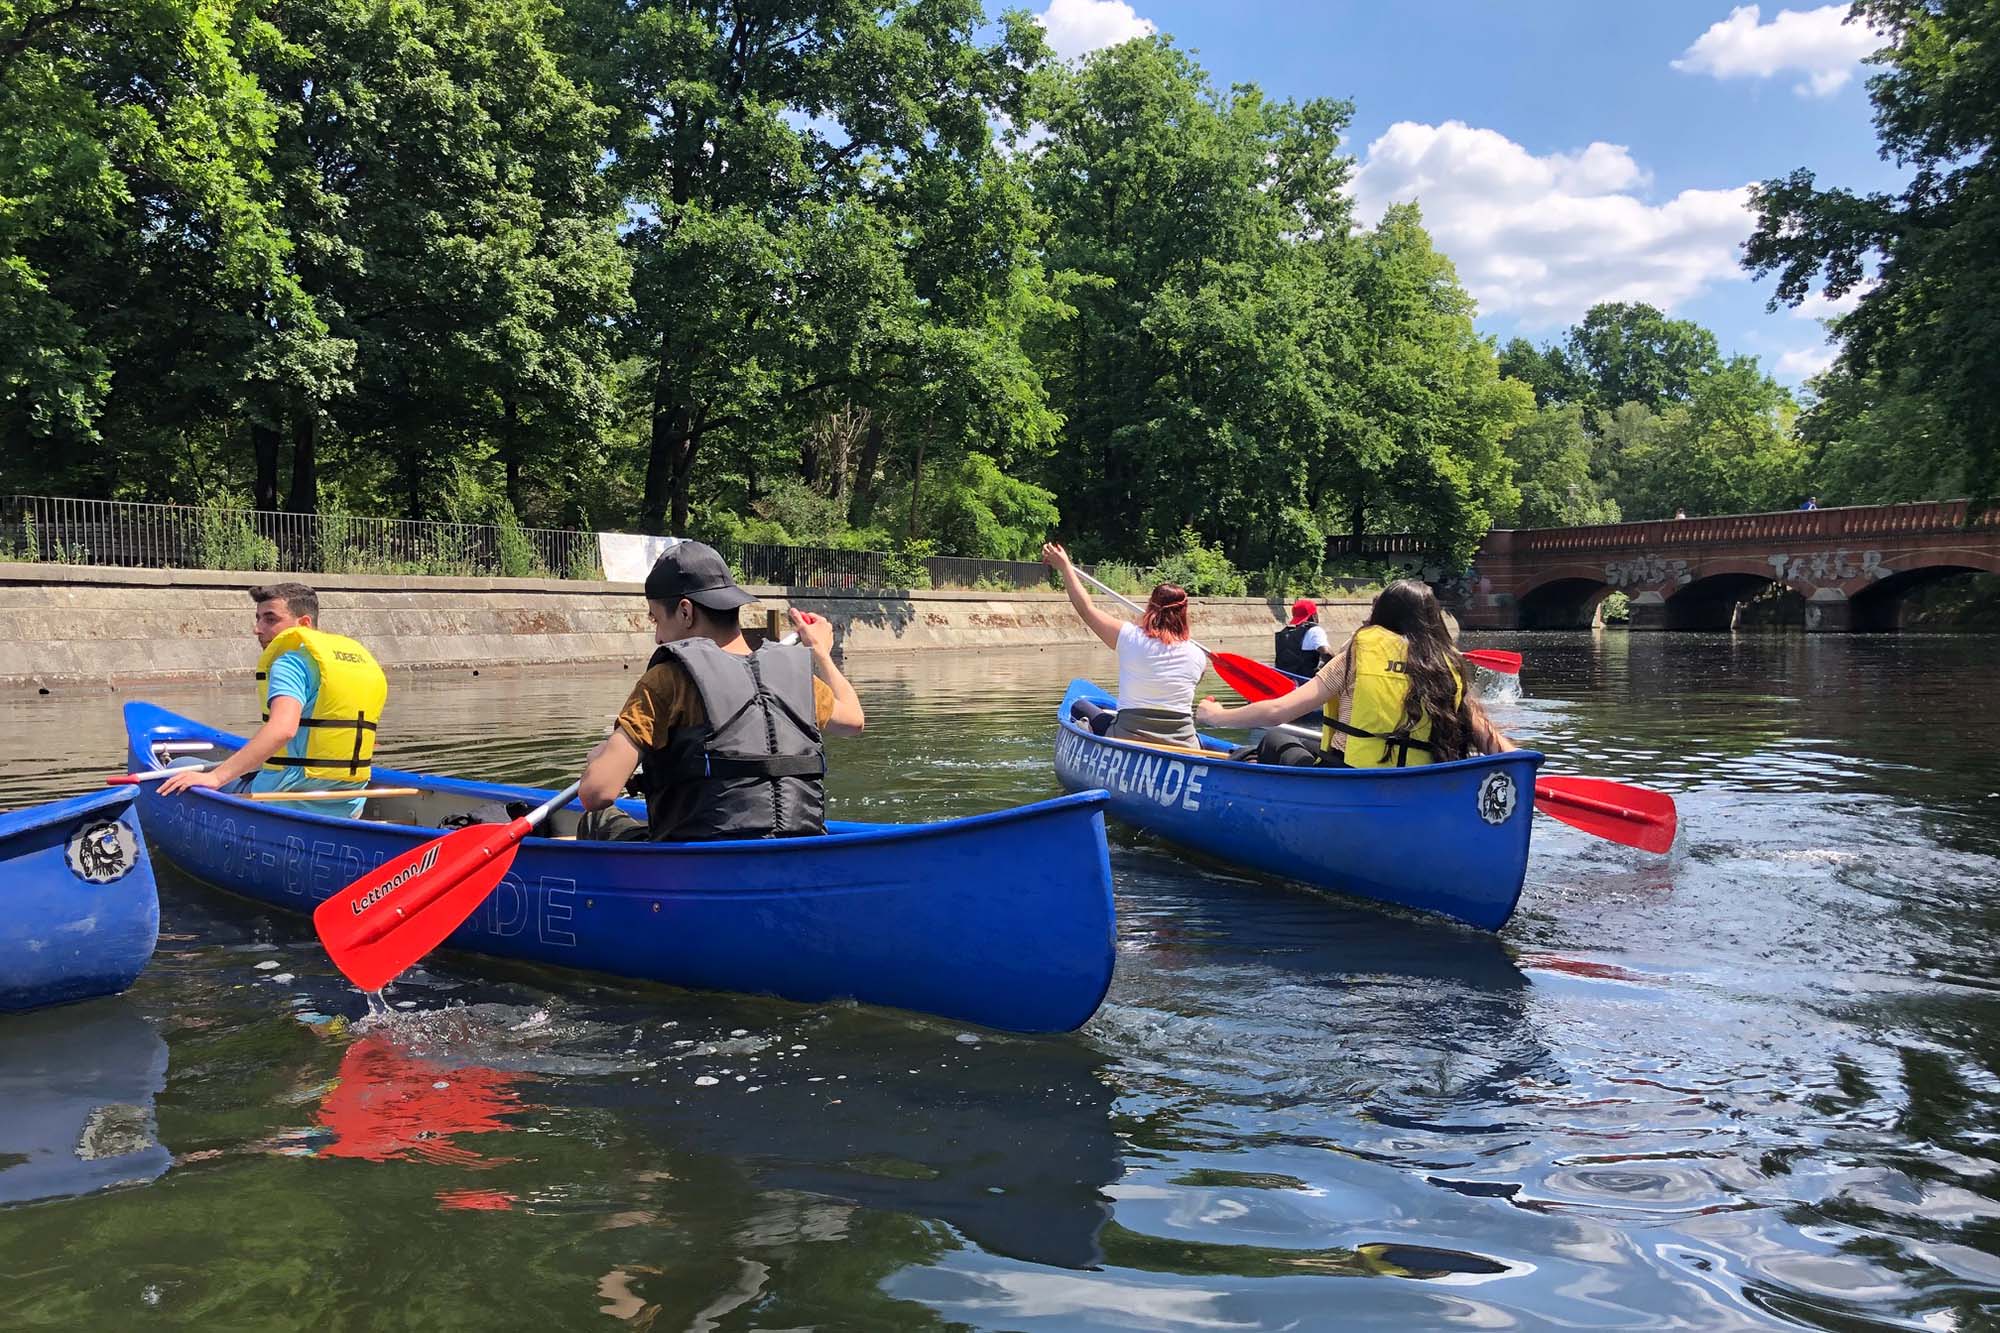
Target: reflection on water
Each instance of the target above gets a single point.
(76, 1101)
(1751, 1084)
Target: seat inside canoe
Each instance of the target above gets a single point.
(430, 807)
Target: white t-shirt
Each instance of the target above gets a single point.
(1314, 640)
(1152, 674)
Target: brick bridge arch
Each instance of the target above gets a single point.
(1852, 567)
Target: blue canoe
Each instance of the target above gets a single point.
(1445, 838)
(78, 911)
(951, 918)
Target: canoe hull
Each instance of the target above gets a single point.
(79, 913)
(945, 919)
(1445, 838)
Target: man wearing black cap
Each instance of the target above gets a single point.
(729, 739)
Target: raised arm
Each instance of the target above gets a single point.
(1103, 626)
(846, 719)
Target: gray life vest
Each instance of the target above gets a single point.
(756, 767)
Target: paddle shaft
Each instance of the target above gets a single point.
(1544, 792)
(1129, 604)
(327, 794)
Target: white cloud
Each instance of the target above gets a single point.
(1078, 27)
(1805, 362)
(1543, 238)
(1817, 43)
(1818, 305)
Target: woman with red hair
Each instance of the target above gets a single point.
(1158, 669)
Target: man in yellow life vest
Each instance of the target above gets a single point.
(322, 697)
(1394, 697)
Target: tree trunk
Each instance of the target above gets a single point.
(510, 449)
(863, 507)
(264, 444)
(683, 472)
(304, 497)
(669, 454)
(916, 491)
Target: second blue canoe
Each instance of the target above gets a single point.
(1445, 838)
(1003, 919)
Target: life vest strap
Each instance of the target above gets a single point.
(723, 764)
(1402, 742)
(290, 761)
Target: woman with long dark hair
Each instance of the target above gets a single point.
(1158, 669)
(1395, 696)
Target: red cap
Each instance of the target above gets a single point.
(1303, 610)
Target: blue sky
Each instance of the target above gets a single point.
(1563, 152)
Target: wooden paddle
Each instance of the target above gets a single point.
(327, 794)
(379, 925)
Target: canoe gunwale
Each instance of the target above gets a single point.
(14, 823)
(841, 833)
(1216, 751)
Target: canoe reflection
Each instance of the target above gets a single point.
(1009, 1141)
(76, 1100)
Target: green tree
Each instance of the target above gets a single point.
(139, 239)
(1552, 456)
(1546, 370)
(1186, 233)
(1867, 443)
(1629, 352)
(1926, 327)
(775, 157)
(1423, 411)
(440, 181)
(1729, 449)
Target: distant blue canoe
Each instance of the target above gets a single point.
(78, 911)
(1445, 838)
(1002, 919)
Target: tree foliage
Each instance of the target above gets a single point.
(1926, 329)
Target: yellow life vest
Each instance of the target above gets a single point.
(340, 730)
(1374, 726)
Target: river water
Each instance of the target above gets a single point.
(1755, 1083)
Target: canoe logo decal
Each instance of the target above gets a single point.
(394, 882)
(102, 851)
(1496, 798)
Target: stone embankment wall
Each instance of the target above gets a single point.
(69, 626)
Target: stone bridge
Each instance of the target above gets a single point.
(1851, 567)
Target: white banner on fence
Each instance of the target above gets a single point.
(627, 557)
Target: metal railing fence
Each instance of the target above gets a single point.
(164, 536)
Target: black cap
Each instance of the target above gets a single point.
(696, 572)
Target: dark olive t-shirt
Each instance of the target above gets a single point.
(665, 697)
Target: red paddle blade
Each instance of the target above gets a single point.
(376, 927)
(1494, 659)
(1635, 816)
(1252, 679)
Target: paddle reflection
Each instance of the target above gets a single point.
(389, 1105)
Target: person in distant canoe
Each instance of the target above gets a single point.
(1158, 669)
(1300, 648)
(321, 696)
(1393, 697)
(730, 740)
